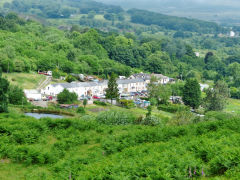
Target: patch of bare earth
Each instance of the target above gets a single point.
(5, 161)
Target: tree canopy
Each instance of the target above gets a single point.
(66, 97)
(192, 93)
(4, 85)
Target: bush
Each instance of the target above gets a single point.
(67, 97)
(150, 121)
(182, 118)
(16, 96)
(127, 103)
(81, 110)
(100, 103)
(172, 108)
(115, 118)
(70, 78)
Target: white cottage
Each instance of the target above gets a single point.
(131, 85)
(147, 77)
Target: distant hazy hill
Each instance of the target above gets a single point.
(214, 10)
(99, 15)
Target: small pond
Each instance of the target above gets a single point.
(42, 115)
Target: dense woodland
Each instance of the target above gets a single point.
(29, 46)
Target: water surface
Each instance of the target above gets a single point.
(42, 115)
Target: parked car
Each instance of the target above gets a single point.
(96, 97)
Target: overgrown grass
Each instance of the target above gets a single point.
(233, 106)
(25, 80)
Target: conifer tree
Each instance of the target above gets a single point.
(4, 84)
(112, 90)
(192, 93)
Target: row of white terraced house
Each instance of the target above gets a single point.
(95, 88)
(98, 88)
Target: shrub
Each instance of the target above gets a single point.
(172, 108)
(151, 121)
(127, 103)
(100, 103)
(115, 118)
(81, 110)
(70, 78)
(182, 118)
(67, 97)
(16, 96)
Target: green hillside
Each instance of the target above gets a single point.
(167, 140)
(25, 80)
(85, 148)
(115, 18)
(28, 46)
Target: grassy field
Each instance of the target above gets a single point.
(94, 109)
(233, 106)
(25, 80)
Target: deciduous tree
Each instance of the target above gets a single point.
(66, 97)
(4, 85)
(217, 96)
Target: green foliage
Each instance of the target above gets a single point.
(149, 113)
(112, 91)
(127, 103)
(67, 97)
(88, 51)
(149, 120)
(116, 118)
(177, 88)
(235, 93)
(182, 117)
(36, 47)
(70, 78)
(100, 103)
(217, 97)
(173, 23)
(160, 63)
(81, 110)
(84, 148)
(4, 86)
(192, 93)
(158, 92)
(16, 96)
(85, 102)
(173, 108)
(56, 73)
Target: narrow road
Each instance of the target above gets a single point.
(44, 83)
